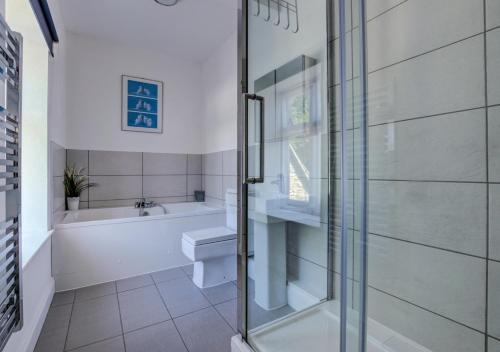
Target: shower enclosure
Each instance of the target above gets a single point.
(369, 139)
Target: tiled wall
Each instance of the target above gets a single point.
(56, 194)
(219, 173)
(434, 189)
(124, 177)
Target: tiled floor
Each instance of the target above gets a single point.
(161, 312)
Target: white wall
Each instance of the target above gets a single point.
(220, 97)
(57, 81)
(94, 70)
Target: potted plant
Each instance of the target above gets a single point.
(75, 182)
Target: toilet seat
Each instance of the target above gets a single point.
(210, 235)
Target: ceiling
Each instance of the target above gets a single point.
(191, 29)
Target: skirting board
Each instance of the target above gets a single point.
(25, 339)
(238, 345)
(298, 298)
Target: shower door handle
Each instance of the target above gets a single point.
(254, 179)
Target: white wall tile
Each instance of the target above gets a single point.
(493, 299)
(493, 56)
(229, 182)
(309, 276)
(230, 162)
(164, 164)
(427, 329)
(115, 187)
(195, 164)
(444, 215)
(494, 144)
(448, 79)
(447, 148)
(310, 243)
(213, 186)
(492, 14)
(448, 283)
(164, 186)
(416, 27)
(194, 183)
(58, 159)
(166, 200)
(494, 221)
(106, 163)
(376, 7)
(59, 200)
(79, 159)
(111, 203)
(212, 163)
(493, 345)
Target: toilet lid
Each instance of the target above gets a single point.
(210, 235)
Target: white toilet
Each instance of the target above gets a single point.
(213, 250)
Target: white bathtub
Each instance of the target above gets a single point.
(93, 246)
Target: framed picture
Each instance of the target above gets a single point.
(142, 105)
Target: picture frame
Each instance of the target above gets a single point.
(142, 105)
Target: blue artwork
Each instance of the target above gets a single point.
(142, 105)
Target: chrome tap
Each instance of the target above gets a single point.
(143, 203)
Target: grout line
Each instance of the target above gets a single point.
(94, 343)
(119, 308)
(426, 309)
(492, 28)
(335, 37)
(427, 52)
(120, 315)
(173, 320)
(485, 53)
(442, 114)
(69, 323)
(425, 181)
(426, 245)
(417, 56)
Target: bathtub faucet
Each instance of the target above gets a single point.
(143, 203)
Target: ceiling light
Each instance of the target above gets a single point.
(167, 2)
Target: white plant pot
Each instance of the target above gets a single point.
(73, 203)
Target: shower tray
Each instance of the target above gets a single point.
(318, 329)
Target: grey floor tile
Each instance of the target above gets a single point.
(141, 307)
(188, 269)
(220, 293)
(94, 320)
(54, 330)
(228, 310)
(157, 338)
(167, 275)
(62, 298)
(258, 316)
(95, 291)
(134, 282)
(182, 296)
(112, 345)
(205, 331)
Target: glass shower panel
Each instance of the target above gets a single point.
(288, 208)
(430, 175)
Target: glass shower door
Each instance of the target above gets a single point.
(290, 299)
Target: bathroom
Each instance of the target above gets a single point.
(250, 175)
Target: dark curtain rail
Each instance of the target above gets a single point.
(44, 18)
